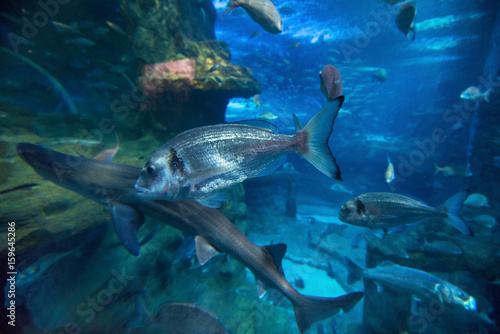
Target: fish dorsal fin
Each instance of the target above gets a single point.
(297, 123)
(127, 222)
(277, 252)
(261, 288)
(204, 251)
(258, 123)
(214, 201)
(387, 263)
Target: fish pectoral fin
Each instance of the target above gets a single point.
(214, 201)
(277, 252)
(204, 251)
(127, 222)
(261, 288)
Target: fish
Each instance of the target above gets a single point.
(112, 185)
(26, 186)
(256, 100)
(441, 247)
(330, 82)
(404, 18)
(381, 210)
(267, 116)
(453, 170)
(82, 42)
(380, 75)
(203, 162)
(485, 220)
(340, 188)
(294, 46)
(254, 34)
(62, 28)
(413, 281)
(391, 2)
(183, 318)
(389, 171)
(477, 200)
(262, 12)
(116, 28)
(66, 141)
(473, 93)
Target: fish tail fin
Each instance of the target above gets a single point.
(312, 309)
(354, 272)
(452, 207)
(231, 5)
(412, 28)
(437, 169)
(314, 143)
(486, 95)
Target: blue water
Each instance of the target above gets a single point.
(56, 93)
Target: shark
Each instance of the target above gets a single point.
(112, 184)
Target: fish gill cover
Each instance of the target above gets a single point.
(87, 82)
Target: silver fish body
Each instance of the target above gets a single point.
(261, 11)
(413, 281)
(202, 162)
(381, 210)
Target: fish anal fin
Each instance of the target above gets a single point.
(204, 251)
(127, 222)
(261, 289)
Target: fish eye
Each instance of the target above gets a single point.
(150, 170)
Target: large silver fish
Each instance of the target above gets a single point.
(413, 281)
(261, 11)
(201, 162)
(386, 210)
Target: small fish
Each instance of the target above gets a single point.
(485, 220)
(62, 28)
(82, 42)
(256, 100)
(26, 186)
(294, 46)
(254, 34)
(477, 200)
(380, 75)
(330, 82)
(453, 170)
(391, 2)
(386, 210)
(441, 246)
(214, 68)
(473, 93)
(108, 154)
(340, 189)
(116, 28)
(261, 11)
(66, 141)
(411, 281)
(201, 162)
(389, 171)
(267, 116)
(404, 18)
(286, 10)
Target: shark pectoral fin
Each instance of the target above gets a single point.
(261, 288)
(204, 251)
(277, 252)
(127, 221)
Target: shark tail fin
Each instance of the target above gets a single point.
(452, 207)
(313, 309)
(317, 132)
(354, 272)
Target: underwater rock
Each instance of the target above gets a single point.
(184, 73)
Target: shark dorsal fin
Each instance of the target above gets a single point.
(127, 221)
(277, 252)
(204, 251)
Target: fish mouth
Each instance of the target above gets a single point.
(142, 191)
